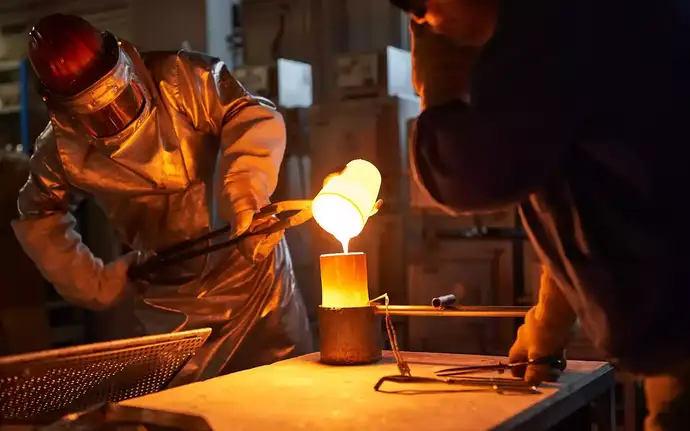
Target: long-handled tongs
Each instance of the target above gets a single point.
(183, 251)
(498, 384)
(500, 367)
(459, 376)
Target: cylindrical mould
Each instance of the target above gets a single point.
(443, 301)
(344, 280)
(349, 336)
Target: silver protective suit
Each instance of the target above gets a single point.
(200, 146)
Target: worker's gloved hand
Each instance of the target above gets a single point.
(441, 69)
(116, 270)
(526, 348)
(548, 328)
(254, 248)
(112, 284)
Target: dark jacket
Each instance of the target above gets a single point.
(580, 114)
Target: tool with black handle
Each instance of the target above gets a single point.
(501, 367)
(297, 211)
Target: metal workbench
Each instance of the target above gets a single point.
(301, 393)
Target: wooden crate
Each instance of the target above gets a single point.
(477, 272)
(261, 20)
(371, 129)
(387, 72)
(287, 83)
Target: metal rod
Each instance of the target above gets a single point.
(443, 301)
(467, 311)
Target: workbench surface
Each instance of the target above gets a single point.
(302, 394)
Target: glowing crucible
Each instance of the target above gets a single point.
(347, 200)
(348, 326)
(344, 281)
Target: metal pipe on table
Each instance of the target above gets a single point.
(466, 311)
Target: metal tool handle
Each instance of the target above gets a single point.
(552, 361)
(498, 384)
(140, 271)
(465, 311)
(183, 251)
(443, 301)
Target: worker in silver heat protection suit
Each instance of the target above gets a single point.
(577, 112)
(171, 147)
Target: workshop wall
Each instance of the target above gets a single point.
(316, 31)
(150, 24)
(364, 106)
(69, 325)
(164, 25)
(329, 27)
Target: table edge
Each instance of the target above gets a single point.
(591, 386)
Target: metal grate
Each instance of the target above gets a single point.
(43, 386)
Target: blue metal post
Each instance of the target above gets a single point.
(24, 105)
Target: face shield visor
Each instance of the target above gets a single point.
(86, 74)
(112, 103)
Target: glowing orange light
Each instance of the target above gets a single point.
(344, 280)
(342, 208)
(347, 200)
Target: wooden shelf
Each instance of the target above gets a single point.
(8, 65)
(12, 109)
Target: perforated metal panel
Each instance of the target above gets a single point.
(46, 385)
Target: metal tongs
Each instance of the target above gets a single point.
(500, 367)
(498, 384)
(300, 213)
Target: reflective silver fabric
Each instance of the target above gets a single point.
(201, 148)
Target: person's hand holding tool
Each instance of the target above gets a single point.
(548, 328)
(256, 247)
(113, 280)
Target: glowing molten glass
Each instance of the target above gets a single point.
(344, 282)
(347, 200)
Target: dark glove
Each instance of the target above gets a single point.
(524, 350)
(256, 248)
(548, 328)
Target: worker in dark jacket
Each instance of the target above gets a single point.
(576, 111)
